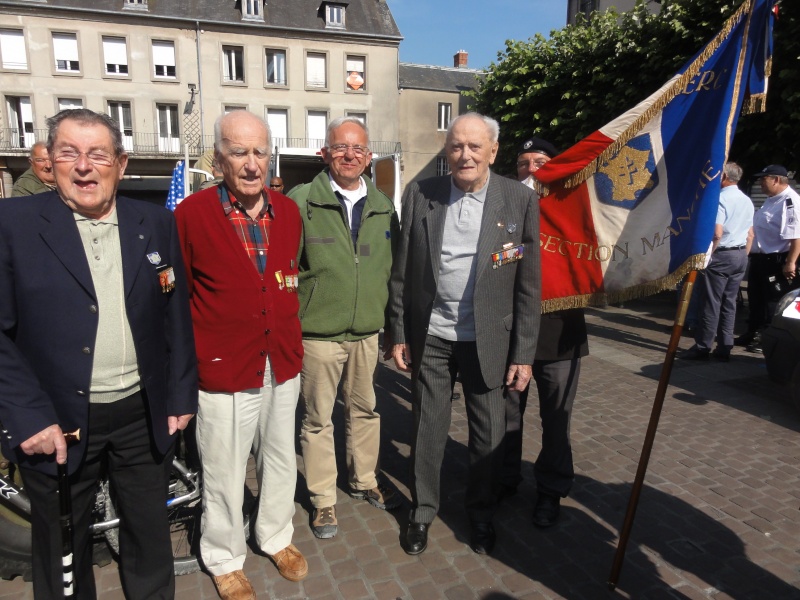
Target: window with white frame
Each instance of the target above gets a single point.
(120, 112)
(67, 103)
(361, 116)
(12, 50)
(445, 109)
(65, 52)
(232, 107)
(20, 120)
(135, 4)
(115, 55)
(278, 121)
(334, 15)
(168, 129)
(233, 64)
(316, 124)
(253, 10)
(355, 73)
(442, 166)
(316, 71)
(164, 59)
(276, 67)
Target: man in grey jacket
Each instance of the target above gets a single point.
(465, 298)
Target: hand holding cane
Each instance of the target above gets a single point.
(65, 519)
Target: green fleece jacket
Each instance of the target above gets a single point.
(343, 290)
(29, 184)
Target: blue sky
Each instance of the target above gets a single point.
(434, 30)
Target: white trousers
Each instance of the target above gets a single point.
(229, 426)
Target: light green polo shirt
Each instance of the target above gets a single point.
(115, 370)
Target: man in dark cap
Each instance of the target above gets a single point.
(774, 252)
(533, 153)
(556, 367)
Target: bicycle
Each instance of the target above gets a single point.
(183, 507)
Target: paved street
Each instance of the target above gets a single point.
(718, 517)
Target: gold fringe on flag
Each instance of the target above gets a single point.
(757, 103)
(600, 299)
(679, 84)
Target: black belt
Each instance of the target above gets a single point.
(721, 249)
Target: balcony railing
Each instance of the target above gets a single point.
(155, 145)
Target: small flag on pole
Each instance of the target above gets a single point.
(177, 188)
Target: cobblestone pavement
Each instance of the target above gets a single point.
(718, 516)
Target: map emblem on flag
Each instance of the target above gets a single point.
(628, 177)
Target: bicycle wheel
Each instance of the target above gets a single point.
(183, 515)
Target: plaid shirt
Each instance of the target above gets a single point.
(252, 233)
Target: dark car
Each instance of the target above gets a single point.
(781, 344)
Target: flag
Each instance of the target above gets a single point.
(630, 209)
(177, 187)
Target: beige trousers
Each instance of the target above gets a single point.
(228, 427)
(324, 364)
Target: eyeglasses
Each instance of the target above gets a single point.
(536, 163)
(40, 161)
(96, 157)
(340, 149)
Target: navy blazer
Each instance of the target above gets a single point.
(49, 317)
(506, 300)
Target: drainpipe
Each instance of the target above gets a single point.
(200, 83)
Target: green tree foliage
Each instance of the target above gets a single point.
(584, 75)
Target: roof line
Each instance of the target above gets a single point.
(194, 22)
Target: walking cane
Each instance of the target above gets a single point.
(65, 519)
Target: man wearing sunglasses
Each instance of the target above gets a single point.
(349, 232)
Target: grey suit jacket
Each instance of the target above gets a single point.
(506, 299)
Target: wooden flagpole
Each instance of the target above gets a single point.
(655, 415)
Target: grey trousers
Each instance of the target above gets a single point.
(432, 386)
(721, 287)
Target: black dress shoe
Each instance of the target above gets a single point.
(546, 510)
(416, 538)
(483, 537)
(694, 353)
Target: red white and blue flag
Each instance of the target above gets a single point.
(177, 187)
(630, 209)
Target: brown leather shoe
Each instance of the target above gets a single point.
(291, 564)
(234, 586)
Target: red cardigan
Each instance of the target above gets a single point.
(239, 317)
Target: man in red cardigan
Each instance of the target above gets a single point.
(240, 244)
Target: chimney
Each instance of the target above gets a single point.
(460, 59)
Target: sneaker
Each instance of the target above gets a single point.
(291, 563)
(324, 524)
(384, 496)
(234, 586)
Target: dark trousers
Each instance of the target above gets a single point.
(759, 295)
(557, 385)
(432, 384)
(720, 290)
(119, 444)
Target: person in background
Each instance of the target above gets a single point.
(562, 342)
(733, 236)
(39, 177)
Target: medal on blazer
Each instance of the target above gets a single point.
(166, 278)
(509, 254)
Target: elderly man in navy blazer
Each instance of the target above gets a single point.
(465, 299)
(96, 335)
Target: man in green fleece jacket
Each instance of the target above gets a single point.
(349, 232)
(40, 177)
